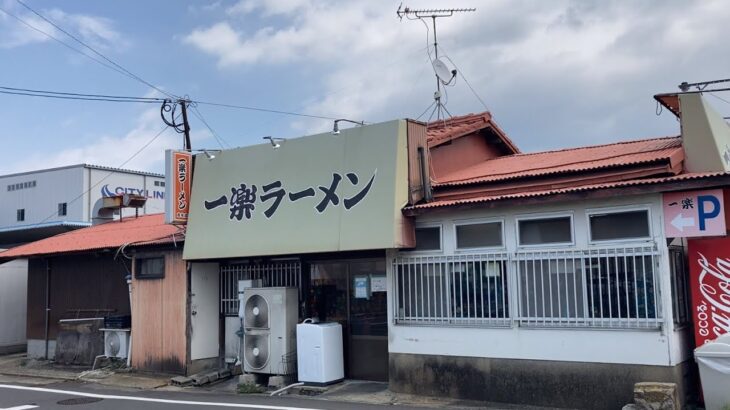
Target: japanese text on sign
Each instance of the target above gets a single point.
(693, 214)
(244, 198)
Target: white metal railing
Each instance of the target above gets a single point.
(462, 289)
(272, 274)
(597, 287)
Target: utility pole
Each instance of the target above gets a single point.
(170, 107)
(186, 124)
(419, 14)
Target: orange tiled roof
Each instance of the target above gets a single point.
(442, 131)
(144, 230)
(486, 197)
(571, 160)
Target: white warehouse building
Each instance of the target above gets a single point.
(43, 203)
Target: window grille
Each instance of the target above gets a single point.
(599, 287)
(272, 275)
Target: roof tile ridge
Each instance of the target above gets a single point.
(538, 169)
(524, 154)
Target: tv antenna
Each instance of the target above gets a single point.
(443, 74)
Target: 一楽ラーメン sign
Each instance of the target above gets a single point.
(320, 193)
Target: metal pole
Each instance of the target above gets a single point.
(438, 83)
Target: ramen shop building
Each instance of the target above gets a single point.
(458, 265)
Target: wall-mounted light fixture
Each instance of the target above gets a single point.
(336, 127)
(275, 142)
(209, 153)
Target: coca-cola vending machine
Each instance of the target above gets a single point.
(709, 267)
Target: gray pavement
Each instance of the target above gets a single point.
(61, 395)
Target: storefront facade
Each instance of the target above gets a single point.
(318, 213)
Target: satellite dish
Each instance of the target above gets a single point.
(442, 72)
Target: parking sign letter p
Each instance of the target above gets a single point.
(702, 212)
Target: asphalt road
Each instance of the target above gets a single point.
(81, 396)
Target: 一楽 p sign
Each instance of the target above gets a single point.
(694, 213)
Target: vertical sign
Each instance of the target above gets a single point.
(709, 267)
(178, 173)
(694, 213)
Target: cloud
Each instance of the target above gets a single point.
(96, 31)
(554, 73)
(118, 150)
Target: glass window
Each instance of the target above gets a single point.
(20, 215)
(62, 208)
(150, 268)
(479, 235)
(619, 225)
(428, 239)
(546, 231)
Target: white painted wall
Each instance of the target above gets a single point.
(41, 202)
(13, 302)
(204, 308)
(650, 347)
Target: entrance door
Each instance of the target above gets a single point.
(368, 352)
(204, 311)
(352, 293)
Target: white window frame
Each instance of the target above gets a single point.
(547, 215)
(618, 210)
(462, 222)
(429, 251)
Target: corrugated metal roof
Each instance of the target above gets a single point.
(567, 161)
(592, 187)
(441, 131)
(143, 230)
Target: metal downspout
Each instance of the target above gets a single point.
(48, 304)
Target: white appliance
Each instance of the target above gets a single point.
(116, 343)
(319, 349)
(269, 323)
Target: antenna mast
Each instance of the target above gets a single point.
(420, 14)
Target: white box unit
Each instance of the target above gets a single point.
(116, 343)
(319, 349)
(269, 323)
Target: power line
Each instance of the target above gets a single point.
(63, 43)
(81, 94)
(243, 107)
(217, 137)
(68, 97)
(115, 64)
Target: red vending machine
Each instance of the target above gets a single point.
(709, 266)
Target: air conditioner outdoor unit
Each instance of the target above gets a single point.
(269, 323)
(116, 343)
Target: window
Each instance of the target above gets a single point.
(619, 225)
(541, 231)
(159, 183)
(428, 238)
(452, 290)
(21, 185)
(479, 235)
(20, 215)
(62, 208)
(150, 268)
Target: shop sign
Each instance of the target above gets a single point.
(319, 193)
(178, 174)
(694, 214)
(710, 287)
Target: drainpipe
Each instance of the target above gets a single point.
(48, 304)
(131, 335)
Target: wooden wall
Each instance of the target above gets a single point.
(159, 317)
(82, 286)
